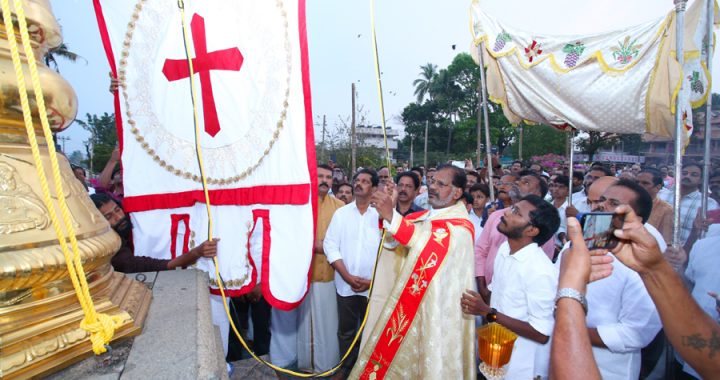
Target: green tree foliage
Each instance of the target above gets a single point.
(539, 140)
(103, 139)
(594, 141)
(448, 101)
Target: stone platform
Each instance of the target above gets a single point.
(178, 341)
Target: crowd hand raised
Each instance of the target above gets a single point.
(677, 257)
(472, 303)
(114, 83)
(579, 266)
(637, 249)
(469, 164)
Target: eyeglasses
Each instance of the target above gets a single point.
(514, 210)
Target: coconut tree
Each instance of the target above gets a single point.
(61, 51)
(423, 84)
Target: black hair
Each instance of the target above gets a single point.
(545, 218)
(468, 197)
(562, 180)
(657, 177)
(100, 199)
(417, 169)
(345, 184)
(326, 167)
(541, 181)
(75, 167)
(642, 205)
(601, 168)
(483, 188)
(473, 173)
(412, 175)
(459, 179)
(518, 162)
(374, 179)
(578, 174)
(695, 164)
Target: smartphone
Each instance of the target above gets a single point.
(598, 228)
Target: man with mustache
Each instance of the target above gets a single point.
(419, 330)
(690, 198)
(317, 344)
(125, 260)
(408, 184)
(345, 192)
(351, 244)
(524, 287)
(491, 239)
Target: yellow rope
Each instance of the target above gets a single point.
(207, 205)
(376, 55)
(100, 326)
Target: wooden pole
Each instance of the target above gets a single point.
(481, 50)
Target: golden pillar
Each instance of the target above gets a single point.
(39, 311)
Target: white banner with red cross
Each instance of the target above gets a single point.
(251, 75)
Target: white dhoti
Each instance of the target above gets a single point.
(317, 339)
(219, 319)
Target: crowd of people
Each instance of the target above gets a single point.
(519, 259)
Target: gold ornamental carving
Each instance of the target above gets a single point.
(39, 311)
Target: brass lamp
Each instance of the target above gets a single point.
(495, 346)
(39, 311)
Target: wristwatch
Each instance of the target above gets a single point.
(491, 316)
(574, 294)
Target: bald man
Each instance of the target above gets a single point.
(622, 319)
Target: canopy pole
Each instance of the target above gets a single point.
(571, 168)
(708, 114)
(679, 127)
(483, 85)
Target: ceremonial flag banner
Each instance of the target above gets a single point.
(252, 83)
(623, 81)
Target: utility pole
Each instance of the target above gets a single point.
(322, 155)
(63, 139)
(353, 142)
(426, 133)
(412, 140)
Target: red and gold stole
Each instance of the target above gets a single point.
(426, 266)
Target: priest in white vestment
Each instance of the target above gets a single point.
(421, 331)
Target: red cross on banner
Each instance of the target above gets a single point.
(227, 59)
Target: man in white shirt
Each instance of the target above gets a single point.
(690, 198)
(622, 319)
(351, 245)
(580, 202)
(523, 286)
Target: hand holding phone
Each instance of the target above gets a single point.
(598, 229)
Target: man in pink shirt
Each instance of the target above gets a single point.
(487, 245)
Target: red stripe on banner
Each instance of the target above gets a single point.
(105, 37)
(311, 159)
(309, 127)
(268, 195)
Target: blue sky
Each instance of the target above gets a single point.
(410, 34)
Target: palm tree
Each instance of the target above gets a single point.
(423, 84)
(60, 51)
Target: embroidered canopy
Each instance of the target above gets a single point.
(624, 81)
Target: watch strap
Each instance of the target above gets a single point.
(574, 294)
